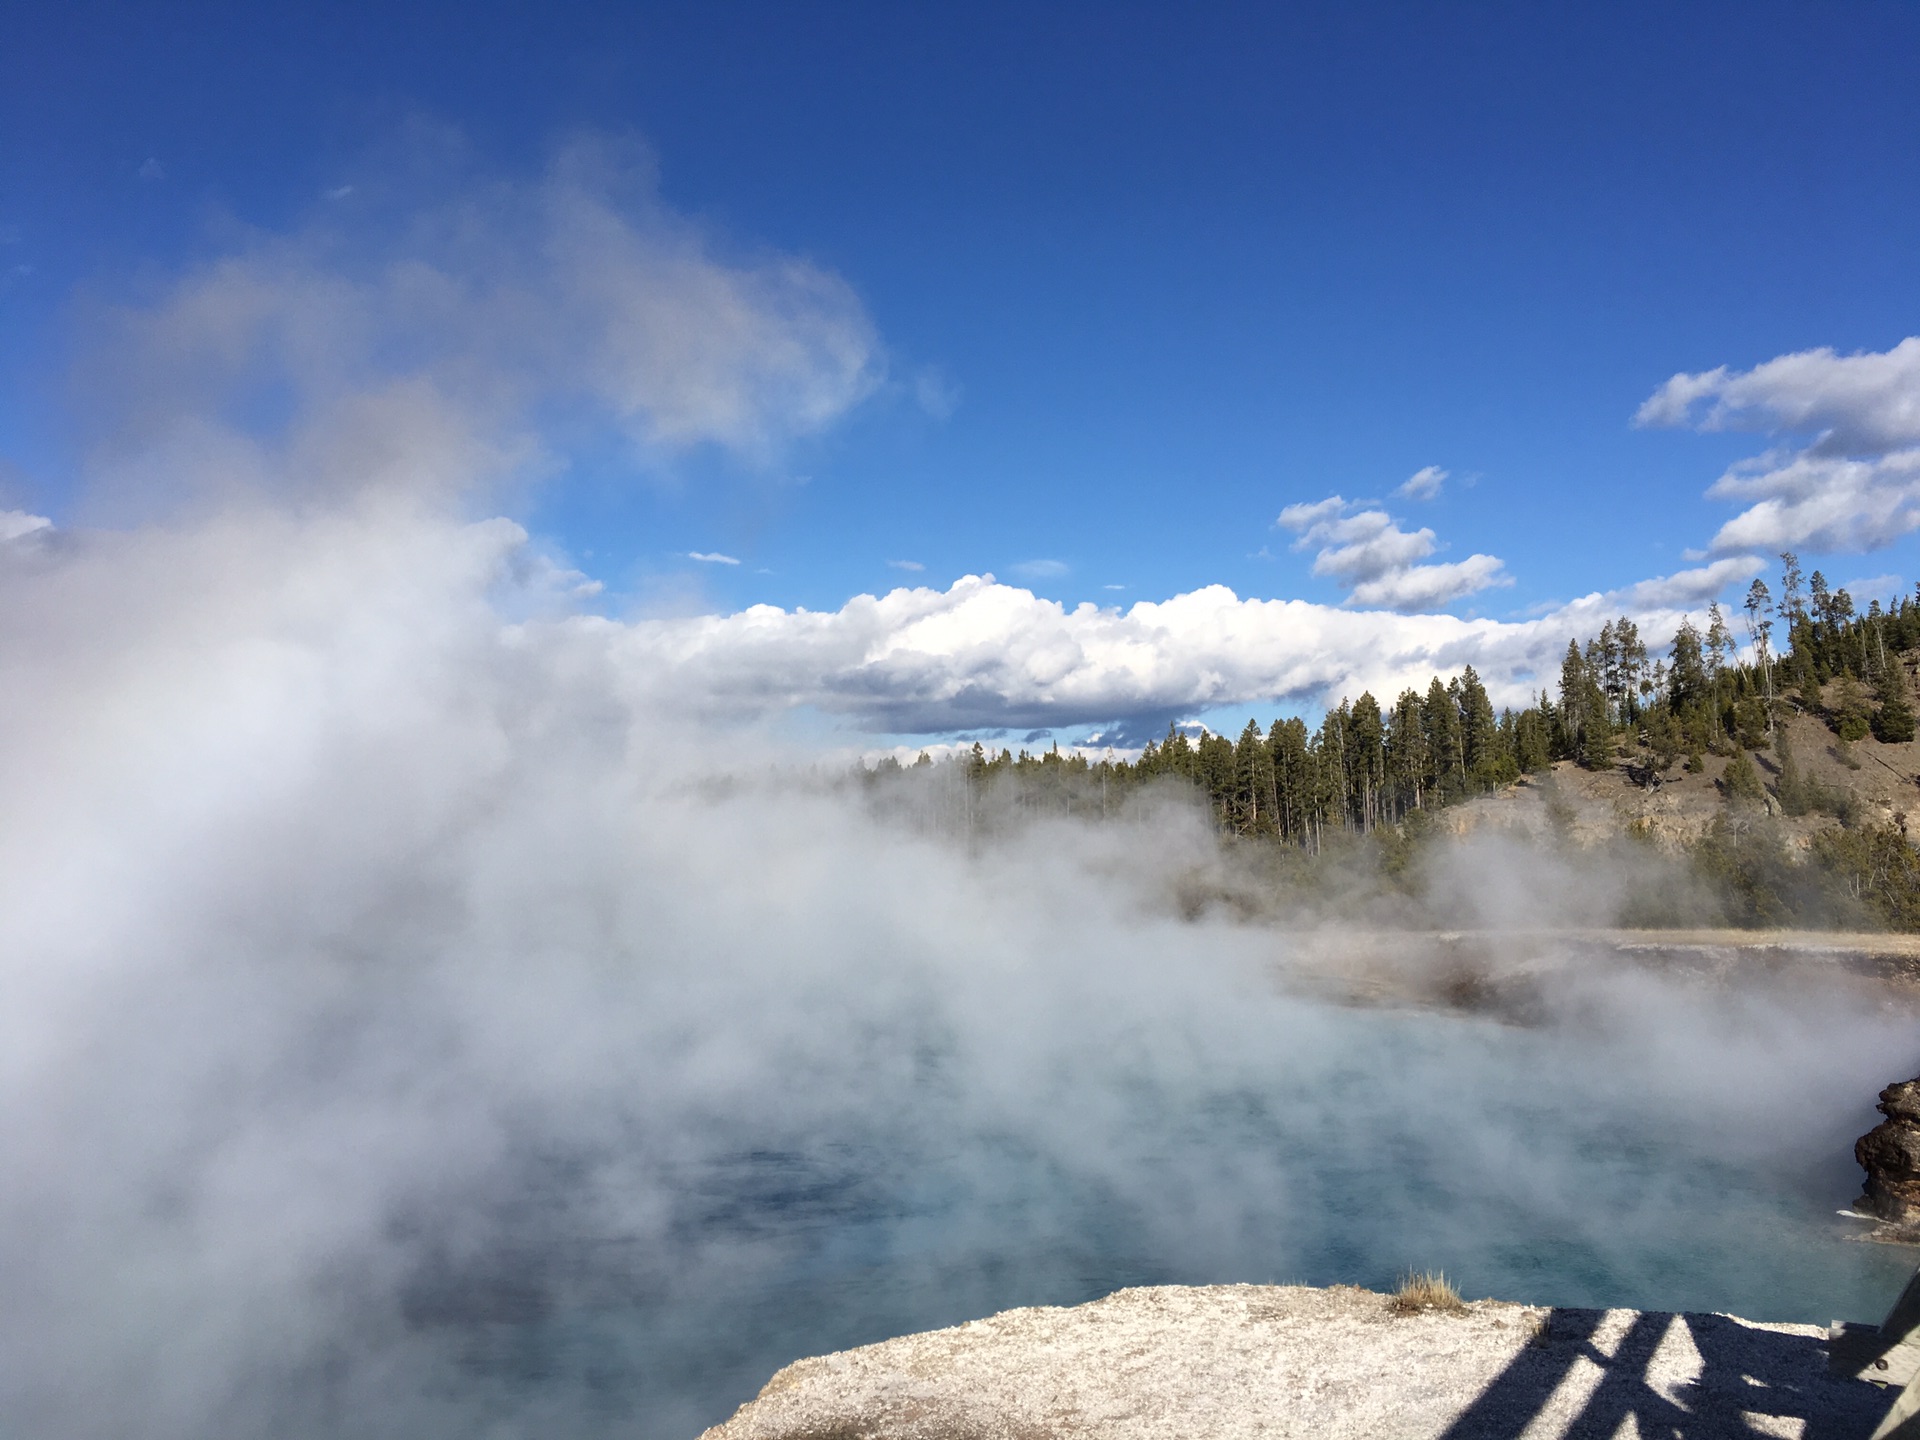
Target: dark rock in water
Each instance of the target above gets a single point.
(1890, 1154)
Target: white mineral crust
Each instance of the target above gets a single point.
(1249, 1360)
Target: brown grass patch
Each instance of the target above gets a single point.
(1428, 1290)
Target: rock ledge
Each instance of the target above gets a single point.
(1223, 1362)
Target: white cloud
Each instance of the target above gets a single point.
(1820, 502)
(1376, 561)
(913, 565)
(1855, 485)
(1041, 569)
(711, 557)
(1305, 515)
(1425, 587)
(1874, 587)
(1423, 484)
(1685, 589)
(17, 524)
(1862, 403)
(986, 654)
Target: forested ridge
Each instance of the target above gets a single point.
(1382, 769)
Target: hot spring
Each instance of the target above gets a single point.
(1349, 1148)
(411, 1030)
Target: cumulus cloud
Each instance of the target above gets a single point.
(985, 654)
(1423, 484)
(1854, 485)
(1377, 562)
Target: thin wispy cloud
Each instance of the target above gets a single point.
(1040, 569)
(17, 524)
(1874, 587)
(1423, 484)
(712, 557)
(936, 394)
(1685, 589)
(911, 565)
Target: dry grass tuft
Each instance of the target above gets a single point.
(1429, 1290)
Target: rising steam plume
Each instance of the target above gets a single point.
(413, 1026)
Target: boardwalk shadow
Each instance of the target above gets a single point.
(1750, 1382)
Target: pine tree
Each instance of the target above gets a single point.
(1603, 663)
(1687, 680)
(1336, 779)
(1632, 680)
(1720, 647)
(1597, 749)
(1759, 628)
(1533, 739)
(1893, 722)
(1851, 717)
(1252, 782)
(1214, 767)
(1366, 733)
(1792, 609)
(1791, 788)
(1742, 779)
(1664, 742)
(1447, 775)
(1479, 733)
(1407, 758)
(1574, 689)
(1293, 783)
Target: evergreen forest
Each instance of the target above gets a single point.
(1378, 770)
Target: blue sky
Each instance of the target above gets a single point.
(1135, 279)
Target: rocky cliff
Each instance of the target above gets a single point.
(1890, 1154)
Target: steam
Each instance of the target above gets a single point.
(411, 1027)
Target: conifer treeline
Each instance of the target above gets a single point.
(1367, 765)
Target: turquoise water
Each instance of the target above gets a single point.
(1395, 1142)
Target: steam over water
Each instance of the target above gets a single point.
(409, 1030)
(417, 1019)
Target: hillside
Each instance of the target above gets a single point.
(1882, 783)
